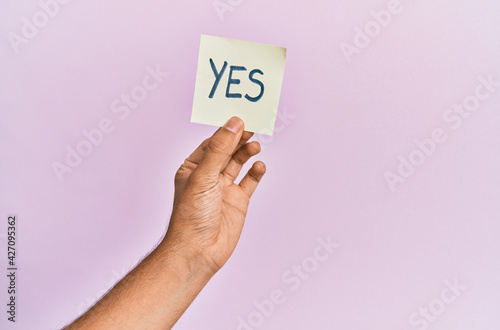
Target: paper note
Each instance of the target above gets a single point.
(238, 78)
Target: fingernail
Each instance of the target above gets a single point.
(234, 124)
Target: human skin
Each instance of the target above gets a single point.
(207, 219)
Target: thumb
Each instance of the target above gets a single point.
(221, 147)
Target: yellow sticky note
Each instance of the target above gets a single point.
(238, 78)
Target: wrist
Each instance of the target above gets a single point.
(188, 258)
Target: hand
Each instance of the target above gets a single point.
(209, 208)
(207, 219)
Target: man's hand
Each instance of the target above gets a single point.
(209, 207)
(207, 219)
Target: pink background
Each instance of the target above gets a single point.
(326, 165)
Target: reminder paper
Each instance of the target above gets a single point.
(238, 78)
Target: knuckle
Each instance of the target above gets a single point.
(219, 146)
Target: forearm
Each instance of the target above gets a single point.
(153, 295)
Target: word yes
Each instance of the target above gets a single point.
(231, 81)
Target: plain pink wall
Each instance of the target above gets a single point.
(343, 125)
